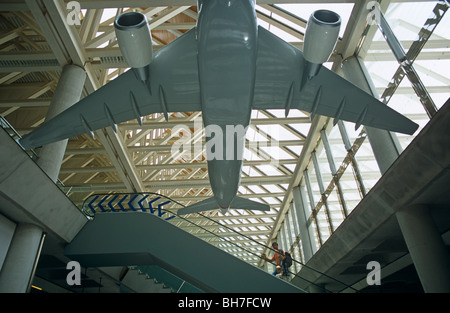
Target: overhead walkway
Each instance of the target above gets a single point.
(139, 238)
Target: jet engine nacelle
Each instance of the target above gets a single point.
(321, 36)
(135, 41)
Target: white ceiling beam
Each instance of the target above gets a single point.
(20, 56)
(90, 24)
(179, 183)
(20, 5)
(169, 166)
(110, 34)
(198, 146)
(286, 15)
(51, 18)
(88, 4)
(25, 103)
(5, 37)
(287, 29)
(190, 124)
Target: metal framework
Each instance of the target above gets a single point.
(334, 167)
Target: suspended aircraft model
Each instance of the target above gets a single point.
(225, 67)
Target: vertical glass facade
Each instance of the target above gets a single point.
(342, 168)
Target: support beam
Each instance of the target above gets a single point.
(407, 65)
(25, 103)
(88, 4)
(430, 255)
(177, 184)
(385, 145)
(21, 261)
(169, 166)
(306, 235)
(50, 15)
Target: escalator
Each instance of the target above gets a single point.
(143, 230)
(139, 238)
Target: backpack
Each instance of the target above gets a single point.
(288, 260)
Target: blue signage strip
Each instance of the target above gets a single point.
(152, 210)
(120, 203)
(140, 203)
(160, 214)
(100, 204)
(90, 204)
(110, 203)
(130, 202)
(107, 204)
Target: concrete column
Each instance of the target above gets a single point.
(67, 93)
(385, 145)
(7, 229)
(20, 262)
(430, 256)
(305, 235)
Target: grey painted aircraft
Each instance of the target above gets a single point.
(225, 67)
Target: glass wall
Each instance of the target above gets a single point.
(343, 169)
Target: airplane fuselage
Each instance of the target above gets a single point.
(227, 67)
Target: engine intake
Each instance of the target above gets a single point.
(321, 36)
(134, 39)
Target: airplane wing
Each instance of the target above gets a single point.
(173, 87)
(279, 77)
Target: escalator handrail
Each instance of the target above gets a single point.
(260, 244)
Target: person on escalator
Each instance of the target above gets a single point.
(278, 257)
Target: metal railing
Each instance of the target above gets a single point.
(16, 137)
(160, 275)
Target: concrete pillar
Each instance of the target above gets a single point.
(305, 234)
(20, 262)
(67, 93)
(430, 256)
(385, 145)
(7, 229)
